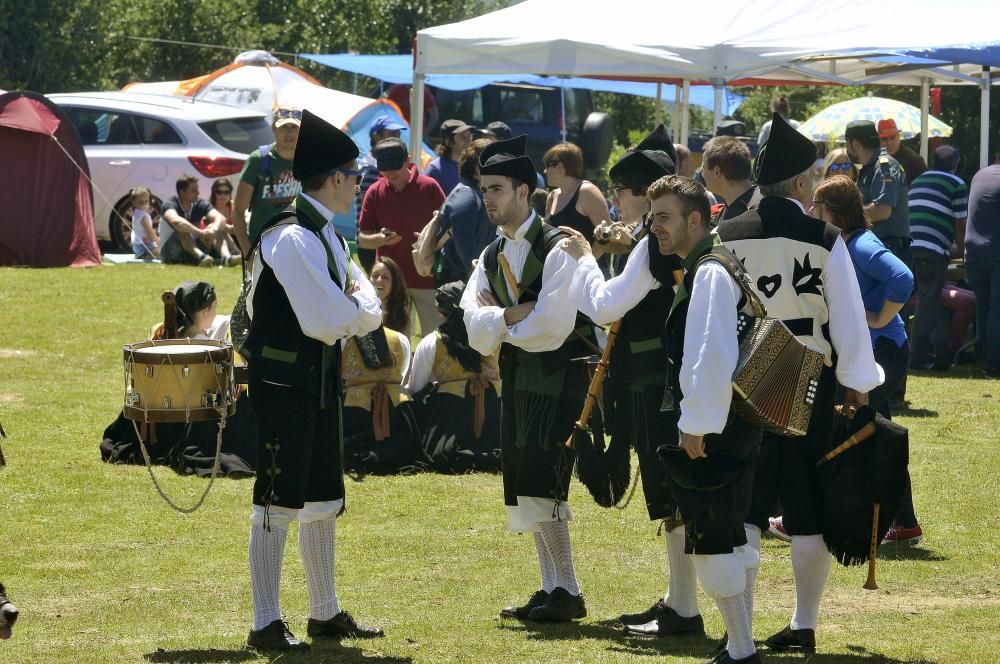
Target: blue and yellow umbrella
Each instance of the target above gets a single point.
(830, 123)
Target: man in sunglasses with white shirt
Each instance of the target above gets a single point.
(306, 296)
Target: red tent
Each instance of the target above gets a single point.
(46, 205)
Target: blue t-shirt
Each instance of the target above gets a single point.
(882, 277)
(464, 213)
(445, 171)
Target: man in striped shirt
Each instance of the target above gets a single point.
(938, 200)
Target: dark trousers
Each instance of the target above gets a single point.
(984, 277)
(299, 447)
(928, 329)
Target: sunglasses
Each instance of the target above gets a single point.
(350, 172)
(841, 166)
(223, 192)
(619, 188)
(283, 113)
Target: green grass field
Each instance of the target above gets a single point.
(104, 571)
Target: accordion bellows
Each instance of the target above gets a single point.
(776, 379)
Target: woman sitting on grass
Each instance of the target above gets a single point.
(189, 448)
(380, 428)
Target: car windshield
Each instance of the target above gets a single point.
(243, 135)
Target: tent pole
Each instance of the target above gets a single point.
(925, 102)
(416, 117)
(686, 112)
(562, 100)
(717, 116)
(984, 120)
(659, 102)
(675, 125)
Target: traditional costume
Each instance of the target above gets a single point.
(801, 269)
(380, 426)
(458, 393)
(300, 311)
(637, 368)
(544, 381)
(713, 493)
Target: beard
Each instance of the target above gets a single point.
(503, 215)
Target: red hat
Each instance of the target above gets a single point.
(887, 128)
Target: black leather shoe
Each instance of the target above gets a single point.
(275, 636)
(521, 612)
(794, 640)
(724, 658)
(669, 623)
(342, 626)
(643, 617)
(560, 607)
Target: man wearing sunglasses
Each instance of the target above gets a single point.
(306, 296)
(395, 210)
(267, 185)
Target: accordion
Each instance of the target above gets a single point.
(777, 376)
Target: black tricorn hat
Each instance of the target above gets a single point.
(785, 154)
(650, 160)
(508, 158)
(321, 147)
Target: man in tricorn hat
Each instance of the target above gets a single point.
(633, 390)
(517, 300)
(306, 295)
(803, 274)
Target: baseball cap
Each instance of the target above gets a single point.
(390, 154)
(285, 114)
(887, 128)
(449, 127)
(500, 129)
(385, 123)
(730, 127)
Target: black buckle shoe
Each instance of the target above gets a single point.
(275, 636)
(724, 658)
(669, 623)
(560, 607)
(521, 612)
(643, 617)
(342, 626)
(794, 640)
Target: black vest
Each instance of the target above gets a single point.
(276, 349)
(574, 347)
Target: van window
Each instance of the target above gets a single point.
(243, 135)
(465, 105)
(99, 127)
(522, 105)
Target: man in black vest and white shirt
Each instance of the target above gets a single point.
(517, 300)
(306, 296)
(803, 275)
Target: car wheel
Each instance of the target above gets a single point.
(595, 140)
(120, 223)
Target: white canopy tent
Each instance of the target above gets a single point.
(751, 42)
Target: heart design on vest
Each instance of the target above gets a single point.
(769, 285)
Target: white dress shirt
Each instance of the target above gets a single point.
(421, 364)
(607, 301)
(299, 262)
(711, 351)
(547, 326)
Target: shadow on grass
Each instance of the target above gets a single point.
(857, 655)
(611, 631)
(324, 650)
(906, 411)
(903, 552)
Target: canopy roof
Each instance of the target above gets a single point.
(399, 69)
(747, 38)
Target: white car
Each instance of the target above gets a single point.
(134, 139)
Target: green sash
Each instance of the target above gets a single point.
(309, 214)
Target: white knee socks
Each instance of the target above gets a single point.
(546, 563)
(267, 549)
(811, 566)
(737, 623)
(682, 588)
(316, 544)
(753, 541)
(555, 534)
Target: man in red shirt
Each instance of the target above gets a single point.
(394, 211)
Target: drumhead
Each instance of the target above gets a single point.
(192, 351)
